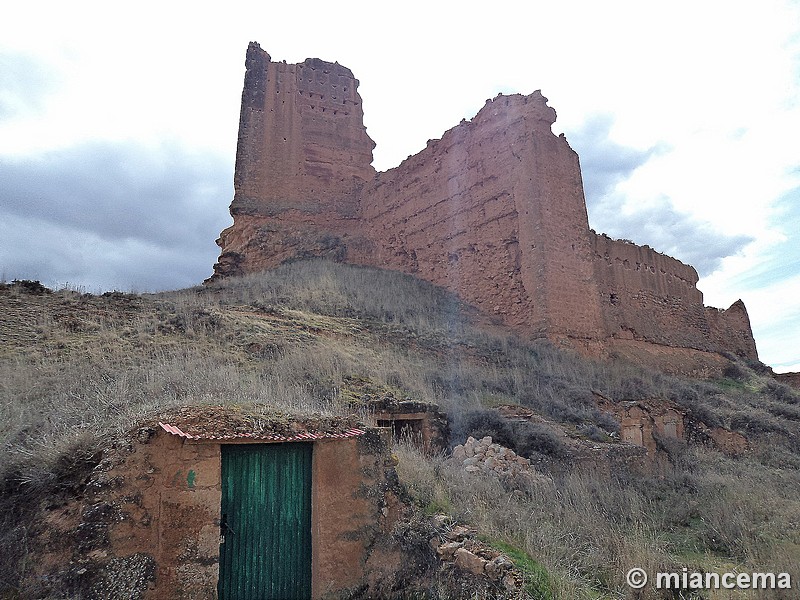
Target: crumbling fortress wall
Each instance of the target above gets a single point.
(494, 211)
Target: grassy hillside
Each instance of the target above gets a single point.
(311, 337)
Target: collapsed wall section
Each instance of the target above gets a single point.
(731, 331)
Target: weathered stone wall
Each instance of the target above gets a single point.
(730, 330)
(652, 423)
(351, 507)
(646, 295)
(422, 422)
(147, 526)
(631, 279)
(792, 379)
(493, 211)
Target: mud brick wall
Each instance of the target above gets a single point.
(494, 211)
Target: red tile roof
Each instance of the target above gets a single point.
(268, 437)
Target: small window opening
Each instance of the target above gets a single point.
(404, 429)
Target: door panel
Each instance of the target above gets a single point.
(266, 522)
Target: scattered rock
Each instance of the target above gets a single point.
(441, 521)
(472, 556)
(470, 562)
(144, 434)
(510, 583)
(459, 533)
(493, 571)
(448, 550)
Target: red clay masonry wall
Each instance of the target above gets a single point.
(494, 210)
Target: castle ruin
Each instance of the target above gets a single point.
(493, 211)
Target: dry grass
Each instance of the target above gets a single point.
(587, 531)
(75, 369)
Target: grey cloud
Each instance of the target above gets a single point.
(662, 227)
(59, 255)
(114, 216)
(604, 163)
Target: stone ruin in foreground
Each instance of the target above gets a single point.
(493, 211)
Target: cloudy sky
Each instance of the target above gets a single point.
(118, 125)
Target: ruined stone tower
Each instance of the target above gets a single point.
(494, 211)
(302, 156)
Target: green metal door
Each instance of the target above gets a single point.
(266, 522)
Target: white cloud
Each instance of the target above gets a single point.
(775, 318)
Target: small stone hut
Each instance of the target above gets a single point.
(211, 503)
(421, 422)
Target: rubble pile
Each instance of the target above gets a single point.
(484, 456)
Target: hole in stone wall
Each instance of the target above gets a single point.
(404, 429)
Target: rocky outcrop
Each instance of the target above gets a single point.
(494, 211)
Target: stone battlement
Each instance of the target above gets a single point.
(494, 211)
